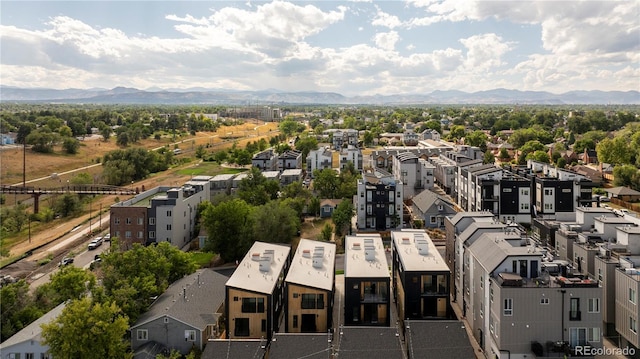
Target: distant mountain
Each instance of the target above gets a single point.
(198, 95)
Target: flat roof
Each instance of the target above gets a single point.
(302, 270)
(271, 174)
(356, 264)
(613, 219)
(292, 172)
(594, 209)
(406, 243)
(629, 229)
(248, 275)
(224, 177)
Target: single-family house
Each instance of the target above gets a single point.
(28, 342)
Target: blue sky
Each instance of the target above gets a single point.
(348, 47)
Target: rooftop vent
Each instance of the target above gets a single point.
(255, 256)
(423, 246)
(306, 253)
(270, 253)
(317, 260)
(265, 264)
(406, 240)
(370, 253)
(356, 245)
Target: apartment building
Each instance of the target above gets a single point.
(344, 138)
(310, 284)
(420, 276)
(627, 287)
(161, 214)
(416, 174)
(378, 201)
(319, 159)
(366, 282)
(351, 154)
(266, 160)
(291, 159)
(254, 294)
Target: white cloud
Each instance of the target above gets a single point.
(385, 20)
(386, 40)
(484, 52)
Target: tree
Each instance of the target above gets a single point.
(616, 151)
(81, 178)
(325, 182)
(368, 138)
(584, 143)
(275, 222)
(42, 140)
(540, 156)
(456, 132)
(70, 145)
(488, 157)
(627, 175)
(314, 206)
(288, 127)
(72, 283)
(504, 154)
(342, 216)
(86, 329)
(325, 234)
(256, 190)
(230, 228)
(305, 145)
(477, 138)
(67, 205)
(200, 151)
(105, 131)
(527, 148)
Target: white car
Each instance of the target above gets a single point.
(95, 243)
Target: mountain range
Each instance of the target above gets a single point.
(124, 95)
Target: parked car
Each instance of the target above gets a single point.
(606, 206)
(95, 243)
(7, 279)
(66, 261)
(107, 237)
(605, 199)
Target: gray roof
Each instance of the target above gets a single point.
(150, 350)
(248, 275)
(234, 349)
(491, 249)
(473, 228)
(308, 345)
(369, 343)
(442, 339)
(356, 264)
(460, 215)
(488, 168)
(427, 198)
(204, 294)
(622, 191)
(33, 330)
(406, 246)
(303, 272)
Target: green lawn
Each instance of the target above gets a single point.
(208, 169)
(202, 259)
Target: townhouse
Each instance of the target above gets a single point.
(266, 160)
(254, 294)
(351, 154)
(290, 159)
(416, 174)
(378, 201)
(319, 159)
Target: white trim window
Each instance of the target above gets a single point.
(632, 295)
(594, 305)
(142, 334)
(190, 335)
(508, 307)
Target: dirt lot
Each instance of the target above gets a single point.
(40, 165)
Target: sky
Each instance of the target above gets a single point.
(347, 47)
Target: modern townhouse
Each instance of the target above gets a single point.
(627, 315)
(351, 154)
(366, 282)
(319, 159)
(410, 138)
(415, 173)
(420, 277)
(222, 183)
(444, 173)
(378, 201)
(266, 160)
(272, 175)
(254, 295)
(291, 175)
(517, 311)
(290, 159)
(310, 286)
(161, 214)
(383, 159)
(183, 318)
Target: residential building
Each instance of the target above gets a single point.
(627, 287)
(184, 317)
(319, 159)
(254, 295)
(272, 175)
(378, 201)
(420, 276)
(28, 342)
(161, 214)
(383, 159)
(291, 175)
(222, 183)
(327, 206)
(442, 339)
(343, 138)
(266, 160)
(351, 154)
(416, 174)
(369, 343)
(290, 159)
(366, 282)
(310, 284)
(431, 208)
(430, 134)
(410, 138)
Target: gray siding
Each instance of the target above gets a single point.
(171, 334)
(605, 269)
(625, 309)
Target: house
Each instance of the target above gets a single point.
(623, 193)
(161, 214)
(431, 208)
(235, 348)
(310, 285)
(271, 175)
(291, 175)
(266, 160)
(415, 173)
(430, 134)
(410, 138)
(366, 282)
(28, 342)
(378, 201)
(222, 183)
(290, 159)
(351, 154)
(343, 138)
(184, 317)
(327, 206)
(7, 138)
(369, 343)
(627, 314)
(319, 159)
(254, 295)
(420, 276)
(589, 156)
(442, 339)
(308, 346)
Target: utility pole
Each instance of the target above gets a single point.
(89, 217)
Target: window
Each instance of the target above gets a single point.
(128, 220)
(312, 301)
(632, 295)
(142, 334)
(152, 234)
(152, 221)
(139, 234)
(593, 334)
(594, 305)
(28, 356)
(577, 337)
(574, 309)
(633, 325)
(491, 295)
(508, 307)
(140, 221)
(252, 305)
(524, 206)
(433, 219)
(547, 192)
(117, 220)
(127, 234)
(190, 335)
(263, 325)
(168, 213)
(544, 301)
(295, 321)
(600, 274)
(168, 227)
(242, 327)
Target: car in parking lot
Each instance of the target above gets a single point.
(66, 261)
(107, 237)
(95, 243)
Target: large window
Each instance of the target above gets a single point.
(508, 307)
(242, 327)
(577, 337)
(574, 309)
(593, 334)
(252, 305)
(142, 334)
(313, 301)
(594, 305)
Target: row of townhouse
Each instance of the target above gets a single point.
(378, 201)
(270, 160)
(600, 244)
(323, 159)
(416, 174)
(518, 302)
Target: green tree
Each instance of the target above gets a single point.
(488, 157)
(477, 138)
(314, 206)
(368, 138)
(527, 148)
(615, 151)
(540, 156)
(342, 216)
(87, 330)
(42, 140)
(70, 145)
(67, 205)
(325, 182)
(288, 127)
(504, 154)
(275, 222)
(230, 228)
(456, 132)
(325, 234)
(81, 178)
(200, 151)
(305, 145)
(72, 283)
(256, 190)
(627, 175)
(105, 131)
